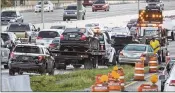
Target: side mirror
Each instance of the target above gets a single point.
(162, 77)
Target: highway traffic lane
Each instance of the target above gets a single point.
(115, 10)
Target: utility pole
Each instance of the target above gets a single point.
(79, 10)
(42, 12)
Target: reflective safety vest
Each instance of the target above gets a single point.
(154, 45)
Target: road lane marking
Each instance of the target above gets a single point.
(137, 81)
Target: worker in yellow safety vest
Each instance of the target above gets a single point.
(155, 44)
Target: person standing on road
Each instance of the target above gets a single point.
(155, 44)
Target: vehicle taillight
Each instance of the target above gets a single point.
(102, 47)
(40, 58)
(83, 37)
(143, 55)
(61, 37)
(11, 55)
(39, 38)
(52, 45)
(172, 83)
(121, 53)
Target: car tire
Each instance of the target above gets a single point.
(6, 66)
(43, 69)
(35, 11)
(11, 72)
(172, 36)
(22, 21)
(20, 73)
(114, 60)
(83, 17)
(64, 19)
(68, 19)
(77, 66)
(88, 64)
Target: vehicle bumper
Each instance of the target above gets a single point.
(102, 8)
(70, 16)
(39, 9)
(128, 60)
(151, 7)
(25, 66)
(74, 44)
(87, 4)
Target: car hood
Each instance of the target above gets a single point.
(98, 4)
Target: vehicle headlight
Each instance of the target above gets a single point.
(12, 20)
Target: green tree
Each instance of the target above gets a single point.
(6, 3)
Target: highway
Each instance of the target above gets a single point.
(115, 10)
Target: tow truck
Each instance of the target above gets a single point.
(147, 31)
(103, 56)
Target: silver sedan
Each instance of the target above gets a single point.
(132, 53)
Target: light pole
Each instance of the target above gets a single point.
(79, 10)
(42, 12)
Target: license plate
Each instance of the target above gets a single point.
(25, 58)
(72, 36)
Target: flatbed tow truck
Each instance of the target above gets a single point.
(103, 56)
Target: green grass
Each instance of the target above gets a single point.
(77, 80)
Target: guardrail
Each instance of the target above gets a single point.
(58, 6)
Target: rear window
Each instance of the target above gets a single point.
(8, 14)
(71, 8)
(82, 30)
(48, 34)
(135, 48)
(27, 49)
(5, 37)
(56, 41)
(57, 27)
(99, 2)
(19, 27)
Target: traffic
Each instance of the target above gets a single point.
(143, 41)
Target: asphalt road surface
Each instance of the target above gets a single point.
(134, 85)
(115, 10)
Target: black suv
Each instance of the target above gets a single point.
(78, 38)
(31, 58)
(11, 16)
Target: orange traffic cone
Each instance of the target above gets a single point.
(122, 78)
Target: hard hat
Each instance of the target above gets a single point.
(104, 78)
(115, 68)
(154, 78)
(115, 75)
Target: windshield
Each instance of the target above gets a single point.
(71, 8)
(8, 14)
(150, 32)
(27, 49)
(99, 2)
(39, 3)
(56, 41)
(135, 48)
(48, 34)
(19, 27)
(152, 0)
(5, 37)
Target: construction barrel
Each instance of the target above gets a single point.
(139, 71)
(153, 64)
(122, 78)
(115, 84)
(148, 88)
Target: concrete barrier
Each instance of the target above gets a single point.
(16, 83)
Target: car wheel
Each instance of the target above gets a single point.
(43, 69)
(83, 17)
(68, 19)
(88, 64)
(11, 72)
(92, 10)
(77, 66)
(6, 66)
(64, 19)
(35, 11)
(172, 36)
(20, 72)
(114, 59)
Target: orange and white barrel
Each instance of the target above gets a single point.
(139, 71)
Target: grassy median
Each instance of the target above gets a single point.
(77, 80)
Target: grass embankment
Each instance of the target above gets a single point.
(77, 80)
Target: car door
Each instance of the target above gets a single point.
(49, 58)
